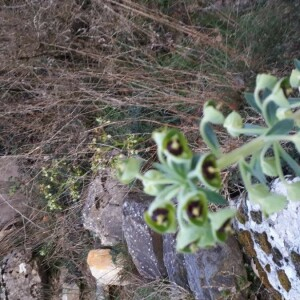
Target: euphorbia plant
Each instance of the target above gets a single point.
(184, 183)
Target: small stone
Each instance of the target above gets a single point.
(103, 268)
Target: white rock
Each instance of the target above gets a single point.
(282, 230)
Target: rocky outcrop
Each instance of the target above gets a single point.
(209, 274)
(144, 245)
(273, 244)
(19, 277)
(102, 213)
(174, 262)
(217, 272)
(13, 202)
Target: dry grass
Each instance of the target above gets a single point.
(138, 64)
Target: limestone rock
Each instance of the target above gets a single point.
(102, 213)
(12, 199)
(19, 277)
(174, 262)
(216, 272)
(144, 246)
(103, 268)
(274, 244)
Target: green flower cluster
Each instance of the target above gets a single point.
(179, 175)
(184, 183)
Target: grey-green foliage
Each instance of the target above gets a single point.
(195, 179)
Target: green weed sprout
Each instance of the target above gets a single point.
(184, 183)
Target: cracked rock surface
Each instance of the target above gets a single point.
(273, 243)
(19, 279)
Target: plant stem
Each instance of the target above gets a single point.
(234, 156)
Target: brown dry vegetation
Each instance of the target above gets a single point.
(138, 64)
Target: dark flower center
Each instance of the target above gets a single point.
(160, 216)
(194, 209)
(174, 147)
(226, 228)
(209, 170)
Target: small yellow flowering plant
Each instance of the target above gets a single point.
(184, 183)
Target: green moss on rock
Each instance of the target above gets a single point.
(241, 214)
(256, 216)
(245, 239)
(262, 240)
(296, 261)
(284, 280)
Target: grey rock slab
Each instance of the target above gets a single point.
(12, 200)
(19, 277)
(144, 246)
(102, 212)
(215, 272)
(174, 262)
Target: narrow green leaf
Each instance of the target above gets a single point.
(290, 161)
(281, 127)
(270, 113)
(214, 197)
(264, 94)
(251, 101)
(293, 191)
(256, 170)
(268, 166)
(209, 137)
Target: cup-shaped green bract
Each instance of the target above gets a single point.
(295, 78)
(284, 113)
(195, 208)
(207, 171)
(162, 219)
(280, 93)
(152, 182)
(263, 82)
(173, 144)
(127, 169)
(233, 123)
(268, 165)
(269, 202)
(293, 191)
(188, 238)
(212, 114)
(221, 223)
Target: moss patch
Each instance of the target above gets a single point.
(277, 256)
(246, 241)
(262, 240)
(256, 216)
(268, 268)
(241, 214)
(296, 261)
(265, 281)
(286, 284)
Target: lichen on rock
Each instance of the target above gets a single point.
(274, 242)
